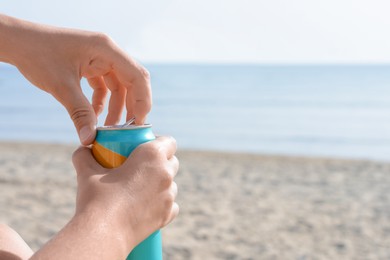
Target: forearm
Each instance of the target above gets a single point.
(19, 38)
(9, 33)
(22, 40)
(88, 236)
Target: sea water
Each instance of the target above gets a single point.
(310, 110)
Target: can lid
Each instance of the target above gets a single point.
(121, 127)
(130, 124)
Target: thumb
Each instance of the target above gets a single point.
(82, 115)
(84, 161)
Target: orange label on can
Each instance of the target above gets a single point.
(106, 157)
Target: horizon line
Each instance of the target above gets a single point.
(265, 63)
(249, 63)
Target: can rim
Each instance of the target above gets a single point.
(121, 127)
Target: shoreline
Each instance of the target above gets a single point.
(232, 205)
(216, 152)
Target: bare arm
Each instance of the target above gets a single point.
(90, 235)
(12, 246)
(116, 209)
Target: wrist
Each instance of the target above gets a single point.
(103, 224)
(5, 24)
(9, 44)
(92, 233)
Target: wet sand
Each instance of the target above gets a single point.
(233, 206)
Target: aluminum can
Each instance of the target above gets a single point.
(113, 144)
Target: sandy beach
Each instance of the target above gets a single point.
(233, 206)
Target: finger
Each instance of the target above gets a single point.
(129, 103)
(80, 111)
(167, 144)
(173, 214)
(174, 165)
(174, 189)
(142, 96)
(130, 73)
(84, 162)
(99, 94)
(160, 147)
(117, 99)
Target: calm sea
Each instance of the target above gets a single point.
(339, 111)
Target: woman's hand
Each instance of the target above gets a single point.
(138, 196)
(55, 59)
(118, 208)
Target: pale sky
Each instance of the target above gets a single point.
(255, 31)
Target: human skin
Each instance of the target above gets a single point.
(115, 208)
(12, 246)
(118, 208)
(55, 59)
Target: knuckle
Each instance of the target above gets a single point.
(174, 189)
(176, 162)
(144, 106)
(166, 179)
(152, 149)
(78, 115)
(145, 73)
(168, 140)
(99, 106)
(118, 89)
(169, 201)
(166, 216)
(101, 90)
(103, 38)
(173, 142)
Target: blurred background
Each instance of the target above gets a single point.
(281, 110)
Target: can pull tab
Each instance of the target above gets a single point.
(128, 122)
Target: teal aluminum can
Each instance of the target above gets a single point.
(113, 144)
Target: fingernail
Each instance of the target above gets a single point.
(86, 134)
